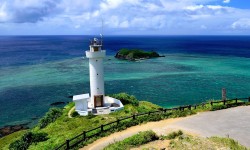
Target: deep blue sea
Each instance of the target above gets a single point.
(36, 71)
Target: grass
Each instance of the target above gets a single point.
(187, 142)
(172, 135)
(133, 141)
(65, 128)
(178, 141)
(227, 142)
(5, 141)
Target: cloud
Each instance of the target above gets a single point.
(243, 23)
(226, 1)
(203, 27)
(3, 13)
(21, 11)
(122, 16)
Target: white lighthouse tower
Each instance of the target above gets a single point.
(97, 103)
(96, 55)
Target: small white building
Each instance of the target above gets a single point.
(96, 102)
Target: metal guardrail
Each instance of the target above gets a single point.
(83, 136)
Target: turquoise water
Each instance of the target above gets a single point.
(26, 91)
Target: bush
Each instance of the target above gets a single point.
(126, 99)
(218, 107)
(135, 140)
(50, 117)
(75, 114)
(27, 139)
(172, 135)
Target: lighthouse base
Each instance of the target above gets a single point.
(82, 101)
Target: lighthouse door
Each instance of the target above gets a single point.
(98, 100)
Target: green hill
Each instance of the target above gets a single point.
(62, 128)
(135, 54)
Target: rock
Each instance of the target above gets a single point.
(57, 103)
(6, 130)
(71, 96)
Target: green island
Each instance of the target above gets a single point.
(135, 54)
(56, 126)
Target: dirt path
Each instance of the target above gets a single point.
(233, 122)
(160, 128)
(70, 112)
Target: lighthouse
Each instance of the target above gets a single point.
(96, 55)
(96, 102)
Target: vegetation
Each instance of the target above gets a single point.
(178, 140)
(186, 142)
(227, 142)
(6, 140)
(75, 114)
(172, 135)
(126, 99)
(50, 117)
(65, 128)
(59, 127)
(27, 139)
(134, 54)
(135, 140)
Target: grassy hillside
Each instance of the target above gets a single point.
(148, 140)
(64, 128)
(5, 141)
(186, 142)
(56, 127)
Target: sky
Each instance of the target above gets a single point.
(125, 17)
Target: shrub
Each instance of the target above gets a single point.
(50, 117)
(126, 99)
(135, 140)
(75, 114)
(173, 135)
(218, 107)
(27, 139)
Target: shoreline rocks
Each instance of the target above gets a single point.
(57, 103)
(6, 130)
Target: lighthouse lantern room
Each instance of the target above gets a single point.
(97, 103)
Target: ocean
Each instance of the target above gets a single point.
(36, 71)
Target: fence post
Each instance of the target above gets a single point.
(236, 100)
(165, 110)
(134, 116)
(67, 144)
(195, 106)
(101, 127)
(84, 135)
(189, 107)
(248, 99)
(224, 102)
(211, 103)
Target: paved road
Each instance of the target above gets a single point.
(234, 122)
